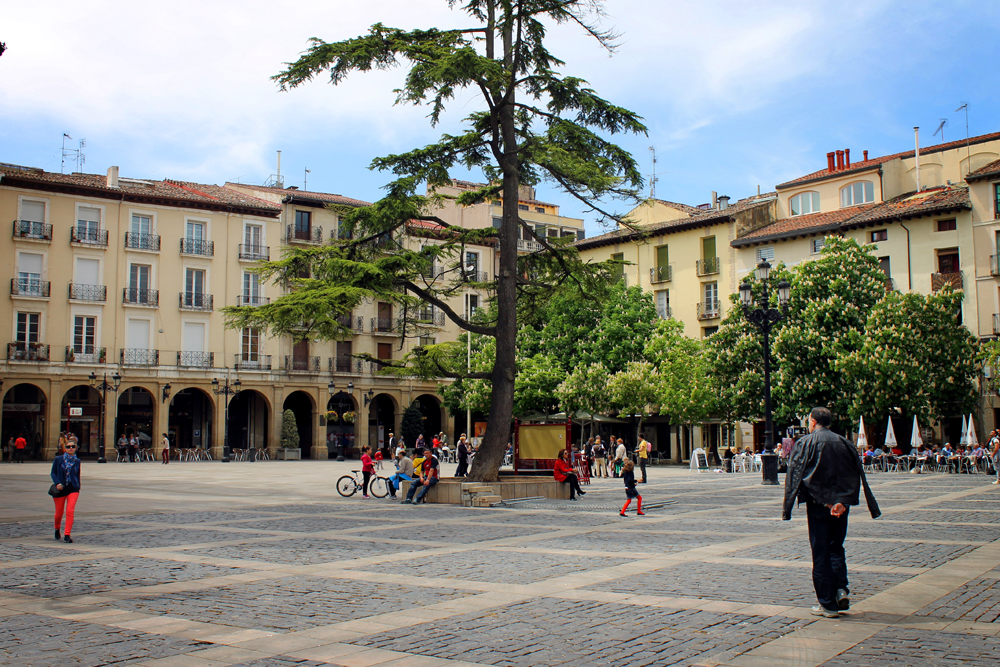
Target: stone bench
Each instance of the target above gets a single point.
(459, 491)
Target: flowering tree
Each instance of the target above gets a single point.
(632, 391)
(683, 384)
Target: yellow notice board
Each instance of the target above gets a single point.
(541, 441)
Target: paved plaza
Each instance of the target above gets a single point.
(263, 565)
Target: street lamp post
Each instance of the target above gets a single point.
(226, 390)
(104, 388)
(764, 318)
(340, 443)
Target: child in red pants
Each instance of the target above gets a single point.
(630, 492)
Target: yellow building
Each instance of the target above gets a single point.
(120, 276)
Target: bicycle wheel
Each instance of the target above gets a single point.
(377, 487)
(347, 486)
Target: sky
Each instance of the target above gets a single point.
(736, 95)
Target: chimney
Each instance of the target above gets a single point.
(916, 153)
(866, 156)
(723, 202)
(112, 177)
(847, 158)
(840, 160)
(715, 200)
(829, 161)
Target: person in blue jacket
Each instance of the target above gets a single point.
(66, 476)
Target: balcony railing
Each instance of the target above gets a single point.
(996, 324)
(197, 247)
(252, 362)
(296, 364)
(141, 297)
(195, 301)
(98, 237)
(661, 274)
(384, 325)
(527, 245)
(475, 276)
(311, 235)
(890, 285)
(356, 324)
(134, 356)
(994, 266)
(27, 229)
(433, 272)
(347, 365)
(708, 266)
(142, 241)
(252, 300)
(664, 313)
(939, 280)
(35, 288)
(708, 310)
(255, 253)
(86, 354)
(21, 351)
(434, 318)
(196, 359)
(88, 292)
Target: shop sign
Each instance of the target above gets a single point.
(22, 407)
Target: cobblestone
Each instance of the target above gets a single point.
(457, 533)
(925, 531)
(898, 647)
(156, 539)
(628, 543)
(303, 524)
(864, 552)
(978, 600)
(12, 552)
(303, 550)
(194, 517)
(281, 661)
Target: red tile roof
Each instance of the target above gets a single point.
(865, 165)
(303, 194)
(800, 225)
(692, 210)
(988, 171)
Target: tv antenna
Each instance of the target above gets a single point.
(74, 154)
(968, 149)
(940, 128)
(654, 177)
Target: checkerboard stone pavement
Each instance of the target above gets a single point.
(213, 565)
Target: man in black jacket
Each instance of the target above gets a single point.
(825, 472)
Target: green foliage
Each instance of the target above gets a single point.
(683, 386)
(412, 425)
(289, 431)
(584, 389)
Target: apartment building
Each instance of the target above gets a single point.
(121, 280)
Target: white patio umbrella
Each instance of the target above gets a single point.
(971, 438)
(862, 436)
(963, 440)
(916, 441)
(890, 437)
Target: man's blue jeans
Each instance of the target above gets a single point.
(423, 489)
(826, 537)
(396, 481)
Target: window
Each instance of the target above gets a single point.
(803, 203)
(708, 248)
(618, 271)
(253, 236)
(303, 222)
(139, 277)
(88, 224)
(427, 340)
(522, 207)
(84, 333)
(27, 327)
(343, 232)
(861, 192)
(765, 253)
(816, 246)
(251, 344)
(88, 271)
(472, 305)
(996, 201)
(195, 231)
(580, 234)
(553, 232)
(385, 351)
(946, 225)
(708, 331)
(141, 224)
(948, 261)
(251, 287)
(663, 303)
(712, 295)
(472, 265)
(879, 235)
(29, 273)
(194, 288)
(497, 223)
(540, 230)
(539, 209)
(33, 211)
(193, 338)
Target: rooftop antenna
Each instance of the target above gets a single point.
(275, 180)
(305, 180)
(968, 149)
(940, 128)
(75, 154)
(654, 177)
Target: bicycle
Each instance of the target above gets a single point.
(348, 485)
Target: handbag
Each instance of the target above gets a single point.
(56, 493)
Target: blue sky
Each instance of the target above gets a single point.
(736, 95)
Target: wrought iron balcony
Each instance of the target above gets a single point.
(890, 285)
(29, 287)
(297, 364)
(88, 292)
(664, 313)
(433, 272)
(255, 253)
(345, 365)
(134, 356)
(197, 247)
(28, 229)
(996, 324)
(429, 316)
(252, 362)
(196, 359)
(475, 276)
(994, 266)
(136, 241)
(141, 297)
(939, 280)
(311, 235)
(251, 300)
(86, 354)
(661, 274)
(21, 351)
(708, 266)
(708, 310)
(98, 237)
(195, 301)
(386, 325)
(355, 324)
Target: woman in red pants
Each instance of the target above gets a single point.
(66, 476)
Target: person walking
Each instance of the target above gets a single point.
(588, 451)
(564, 473)
(165, 442)
(620, 456)
(996, 455)
(642, 451)
(19, 446)
(600, 460)
(65, 476)
(367, 468)
(133, 448)
(630, 491)
(825, 472)
(463, 457)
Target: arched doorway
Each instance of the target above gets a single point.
(189, 423)
(81, 415)
(340, 427)
(248, 420)
(381, 421)
(430, 408)
(301, 404)
(24, 414)
(135, 415)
